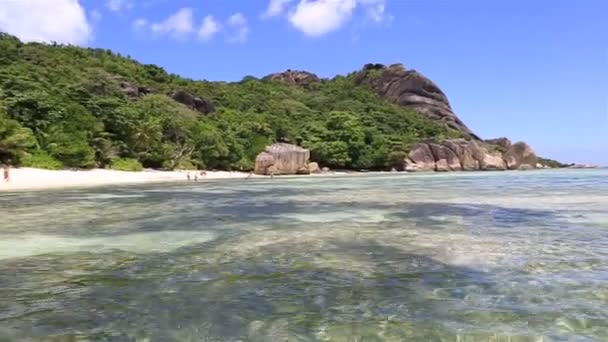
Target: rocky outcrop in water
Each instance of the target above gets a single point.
(413, 90)
(283, 159)
(469, 155)
(198, 104)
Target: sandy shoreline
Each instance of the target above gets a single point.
(40, 179)
(23, 179)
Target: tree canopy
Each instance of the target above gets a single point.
(66, 106)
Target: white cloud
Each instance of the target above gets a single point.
(62, 21)
(140, 24)
(238, 23)
(119, 5)
(179, 24)
(275, 8)
(376, 10)
(209, 28)
(237, 19)
(318, 17)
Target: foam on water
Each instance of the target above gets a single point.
(27, 245)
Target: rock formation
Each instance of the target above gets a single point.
(314, 168)
(492, 161)
(421, 157)
(502, 144)
(283, 159)
(193, 102)
(520, 156)
(131, 90)
(469, 155)
(293, 77)
(446, 159)
(413, 90)
(263, 161)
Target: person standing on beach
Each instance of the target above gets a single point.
(7, 173)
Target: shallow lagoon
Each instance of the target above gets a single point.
(513, 256)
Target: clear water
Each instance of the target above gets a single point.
(519, 256)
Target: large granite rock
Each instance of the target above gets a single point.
(314, 168)
(198, 104)
(468, 155)
(520, 156)
(284, 159)
(413, 90)
(442, 166)
(492, 161)
(467, 152)
(294, 77)
(502, 144)
(263, 161)
(129, 89)
(446, 159)
(422, 157)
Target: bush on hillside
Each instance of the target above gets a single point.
(126, 164)
(41, 160)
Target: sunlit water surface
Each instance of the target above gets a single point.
(519, 256)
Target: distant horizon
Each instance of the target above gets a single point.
(529, 71)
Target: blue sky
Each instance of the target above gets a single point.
(529, 70)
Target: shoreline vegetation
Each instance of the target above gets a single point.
(32, 179)
(84, 108)
(66, 107)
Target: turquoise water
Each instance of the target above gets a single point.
(513, 256)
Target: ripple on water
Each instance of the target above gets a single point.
(150, 242)
(456, 257)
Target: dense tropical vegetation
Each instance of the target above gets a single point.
(65, 106)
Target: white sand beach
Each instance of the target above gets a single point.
(36, 179)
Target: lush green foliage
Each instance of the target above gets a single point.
(126, 164)
(552, 163)
(41, 160)
(15, 140)
(75, 106)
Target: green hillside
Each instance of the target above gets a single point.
(65, 106)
